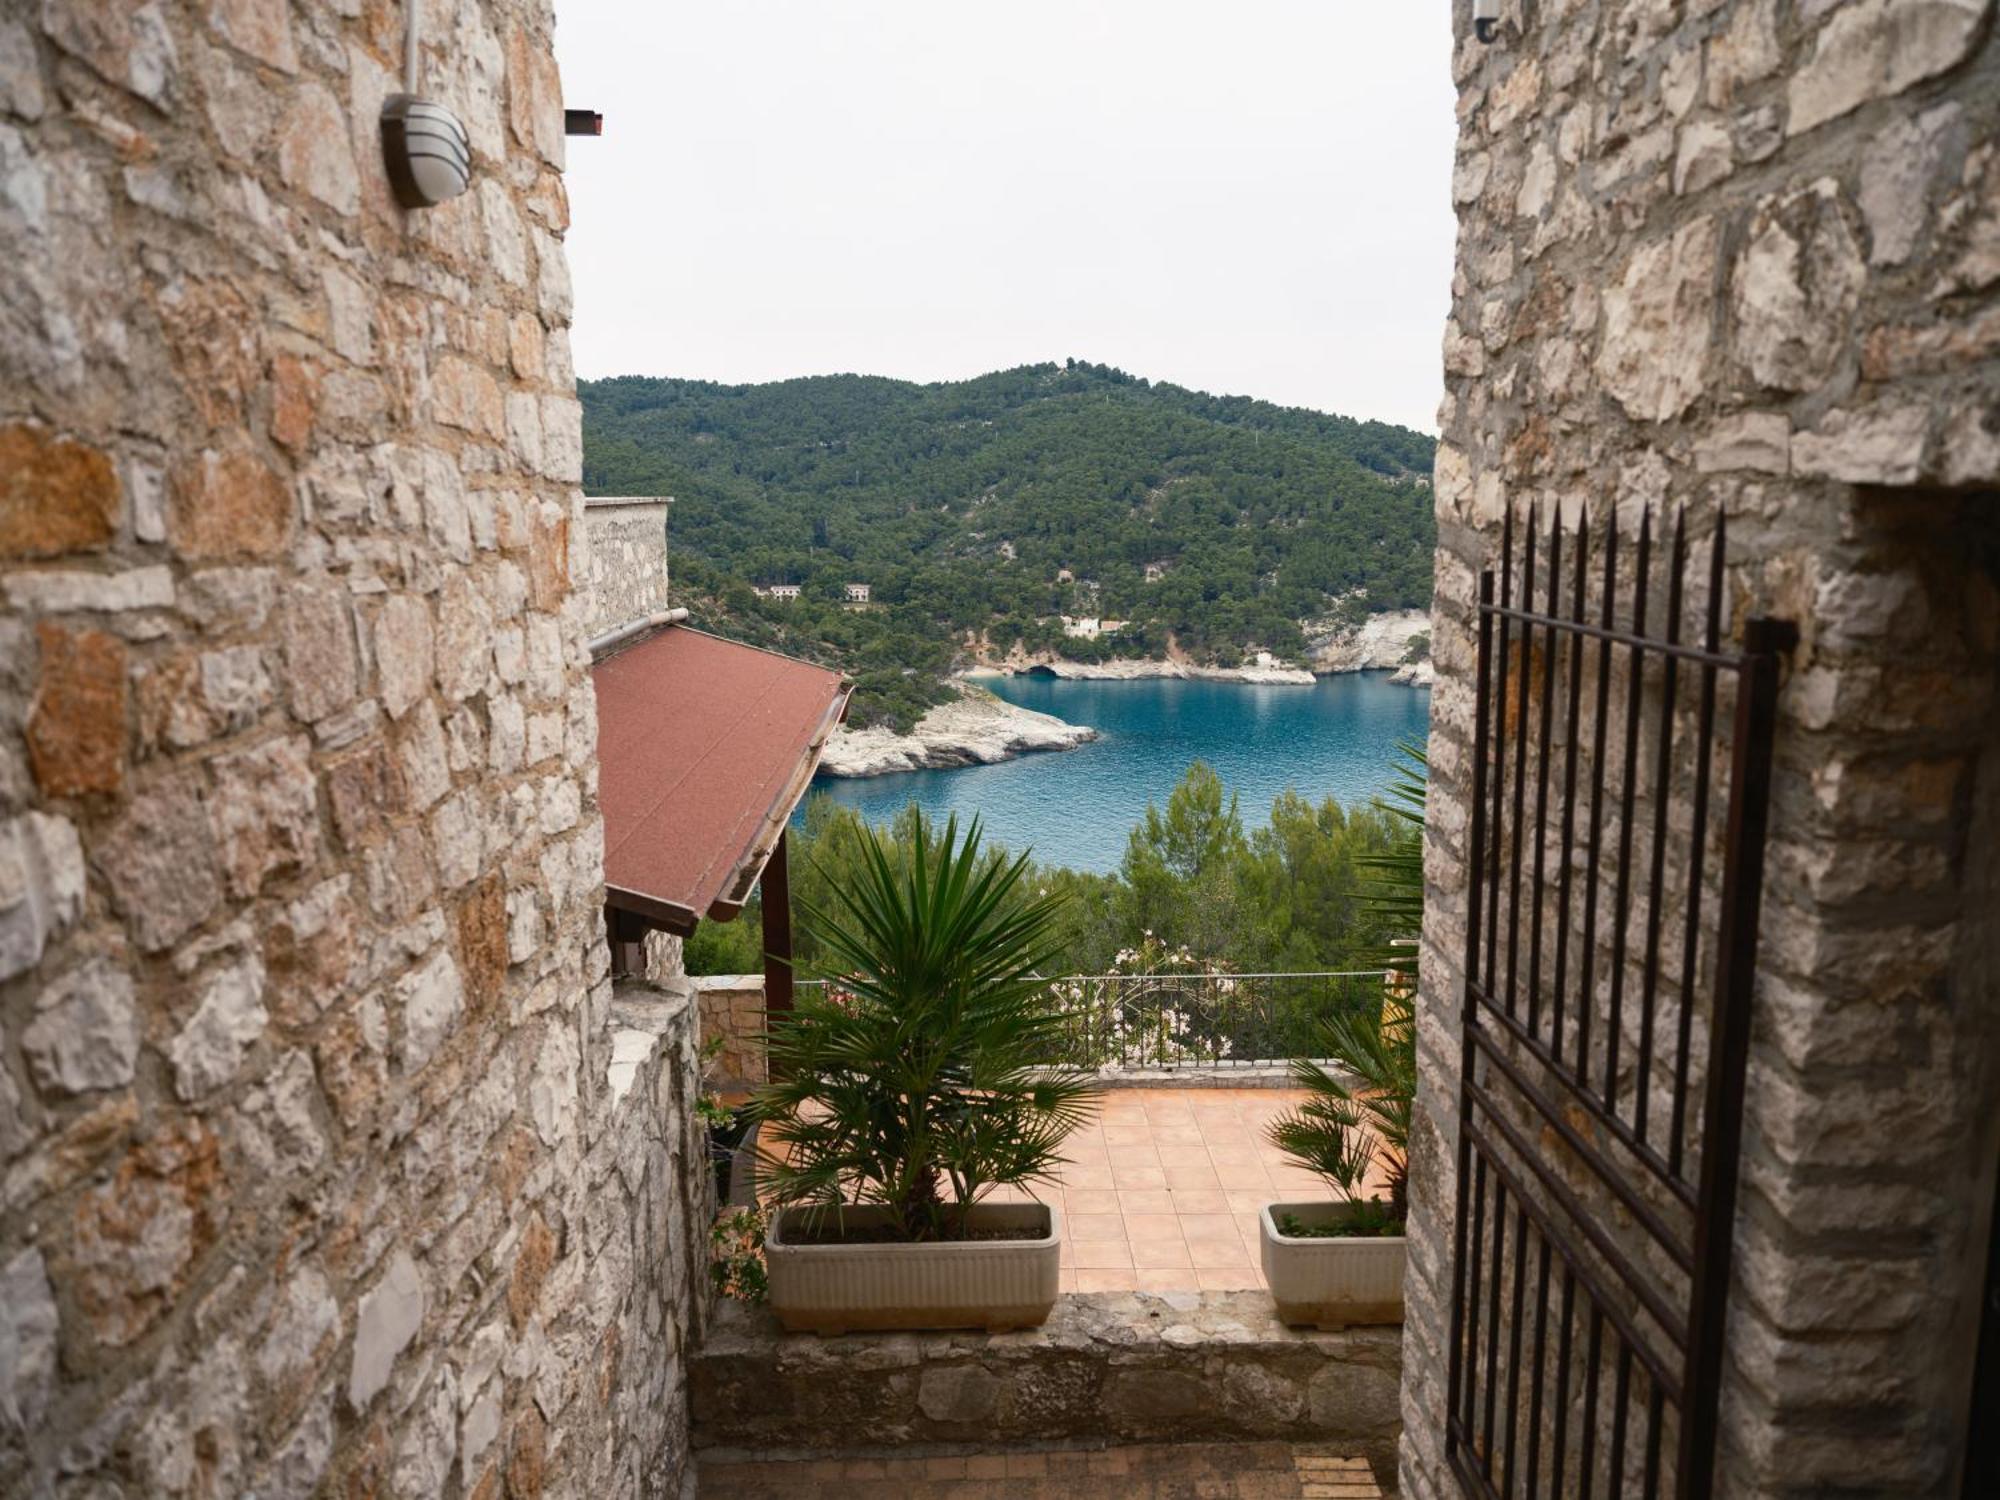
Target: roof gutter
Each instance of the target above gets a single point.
(625, 633)
(750, 868)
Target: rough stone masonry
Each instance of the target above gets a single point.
(312, 1176)
(1744, 255)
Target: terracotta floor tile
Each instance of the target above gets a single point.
(1244, 1200)
(1145, 1201)
(1199, 1201)
(1163, 1279)
(1107, 1255)
(1107, 1281)
(1139, 1155)
(1142, 1177)
(1161, 1254)
(1151, 1227)
(1230, 1279)
(1096, 1226)
(1086, 1177)
(1210, 1227)
(1216, 1255)
(1235, 1154)
(1083, 1200)
(1066, 1280)
(1202, 1176)
(1184, 1156)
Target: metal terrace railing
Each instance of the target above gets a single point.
(1126, 1022)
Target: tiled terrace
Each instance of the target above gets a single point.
(1162, 1192)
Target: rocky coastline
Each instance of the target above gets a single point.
(974, 729)
(1132, 669)
(1379, 643)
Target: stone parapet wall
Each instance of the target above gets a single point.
(624, 560)
(1123, 1366)
(310, 1175)
(1742, 256)
(732, 1018)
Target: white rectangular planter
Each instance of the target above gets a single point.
(1329, 1283)
(990, 1284)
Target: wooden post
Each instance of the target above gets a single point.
(777, 887)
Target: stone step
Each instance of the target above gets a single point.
(1106, 1369)
(1141, 1471)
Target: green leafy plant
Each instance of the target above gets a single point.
(916, 1082)
(736, 1256)
(1349, 1125)
(713, 1113)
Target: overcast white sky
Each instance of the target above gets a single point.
(1243, 196)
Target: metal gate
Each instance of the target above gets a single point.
(1610, 946)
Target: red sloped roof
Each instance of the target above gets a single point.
(704, 747)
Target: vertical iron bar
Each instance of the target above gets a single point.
(1494, 834)
(1520, 760)
(1698, 845)
(1587, 989)
(1621, 1405)
(1541, 1359)
(1575, 685)
(1514, 1336)
(1634, 693)
(1559, 1451)
(1593, 1363)
(1465, 1340)
(1729, 1047)
(1542, 771)
(1493, 1314)
(1663, 770)
(1476, 863)
(1655, 1415)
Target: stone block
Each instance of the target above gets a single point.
(401, 637)
(57, 496)
(77, 722)
(85, 1033)
(159, 861)
(229, 1021)
(1872, 49)
(1659, 324)
(430, 999)
(317, 632)
(1882, 445)
(259, 28)
(124, 44)
(1795, 289)
(314, 154)
(266, 812)
(388, 1320)
(28, 1327)
(229, 503)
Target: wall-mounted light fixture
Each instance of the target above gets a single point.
(1486, 19)
(425, 148)
(582, 122)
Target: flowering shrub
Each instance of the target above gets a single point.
(1153, 1009)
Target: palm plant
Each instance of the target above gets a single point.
(1348, 1125)
(915, 1082)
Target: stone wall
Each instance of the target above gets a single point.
(1117, 1366)
(732, 1020)
(1742, 256)
(311, 1177)
(624, 560)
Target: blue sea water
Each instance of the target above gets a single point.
(1075, 807)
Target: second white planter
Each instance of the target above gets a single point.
(993, 1284)
(1330, 1281)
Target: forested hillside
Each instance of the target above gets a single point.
(1221, 521)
